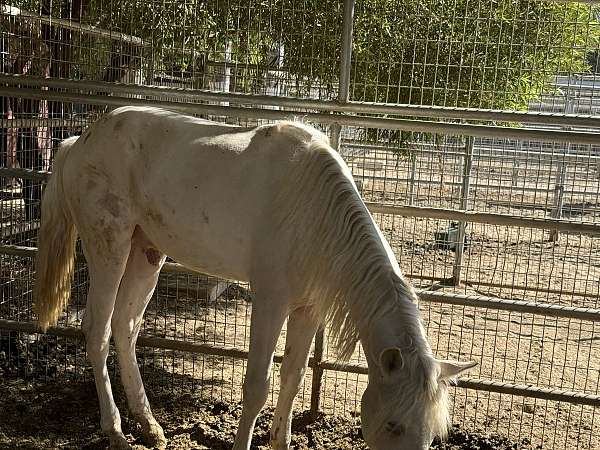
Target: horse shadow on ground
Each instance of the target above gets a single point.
(63, 411)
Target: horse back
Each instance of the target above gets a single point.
(201, 191)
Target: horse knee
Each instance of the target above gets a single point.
(256, 393)
(123, 334)
(292, 377)
(97, 342)
(97, 354)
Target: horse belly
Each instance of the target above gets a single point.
(211, 240)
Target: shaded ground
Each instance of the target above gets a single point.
(54, 414)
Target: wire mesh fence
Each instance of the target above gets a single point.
(510, 96)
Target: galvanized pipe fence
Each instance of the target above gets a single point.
(564, 128)
(317, 363)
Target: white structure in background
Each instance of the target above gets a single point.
(221, 80)
(578, 94)
(274, 78)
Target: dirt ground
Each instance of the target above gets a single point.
(55, 414)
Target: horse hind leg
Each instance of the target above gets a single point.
(106, 258)
(137, 287)
(301, 329)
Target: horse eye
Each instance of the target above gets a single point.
(394, 428)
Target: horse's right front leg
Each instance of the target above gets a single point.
(268, 315)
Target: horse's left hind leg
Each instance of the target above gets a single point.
(137, 286)
(106, 263)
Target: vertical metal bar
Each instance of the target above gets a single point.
(317, 374)
(559, 190)
(464, 204)
(225, 82)
(335, 136)
(516, 166)
(345, 66)
(346, 56)
(559, 187)
(413, 174)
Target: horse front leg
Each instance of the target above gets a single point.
(268, 315)
(301, 329)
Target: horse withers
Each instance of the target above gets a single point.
(273, 205)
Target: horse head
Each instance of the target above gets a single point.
(406, 402)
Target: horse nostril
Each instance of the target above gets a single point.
(390, 426)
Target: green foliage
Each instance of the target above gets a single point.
(489, 54)
(485, 54)
(459, 53)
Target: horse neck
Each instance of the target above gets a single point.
(397, 321)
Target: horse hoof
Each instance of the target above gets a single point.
(118, 442)
(154, 437)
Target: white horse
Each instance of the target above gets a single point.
(273, 205)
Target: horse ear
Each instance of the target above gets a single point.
(391, 361)
(449, 370)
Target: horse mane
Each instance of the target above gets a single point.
(336, 248)
(348, 271)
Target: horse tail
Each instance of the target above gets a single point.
(55, 258)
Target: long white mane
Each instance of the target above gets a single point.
(336, 247)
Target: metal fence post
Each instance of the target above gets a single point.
(317, 374)
(412, 178)
(559, 187)
(336, 139)
(464, 204)
(516, 165)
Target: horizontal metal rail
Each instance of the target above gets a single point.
(491, 386)
(71, 25)
(426, 212)
(516, 287)
(476, 301)
(483, 150)
(537, 308)
(563, 225)
(29, 252)
(576, 137)
(514, 189)
(30, 174)
(34, 122)
(18, 250)
(438, 112)
(13, 229)
(487, 218)
(501, 387)
(40, 175)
